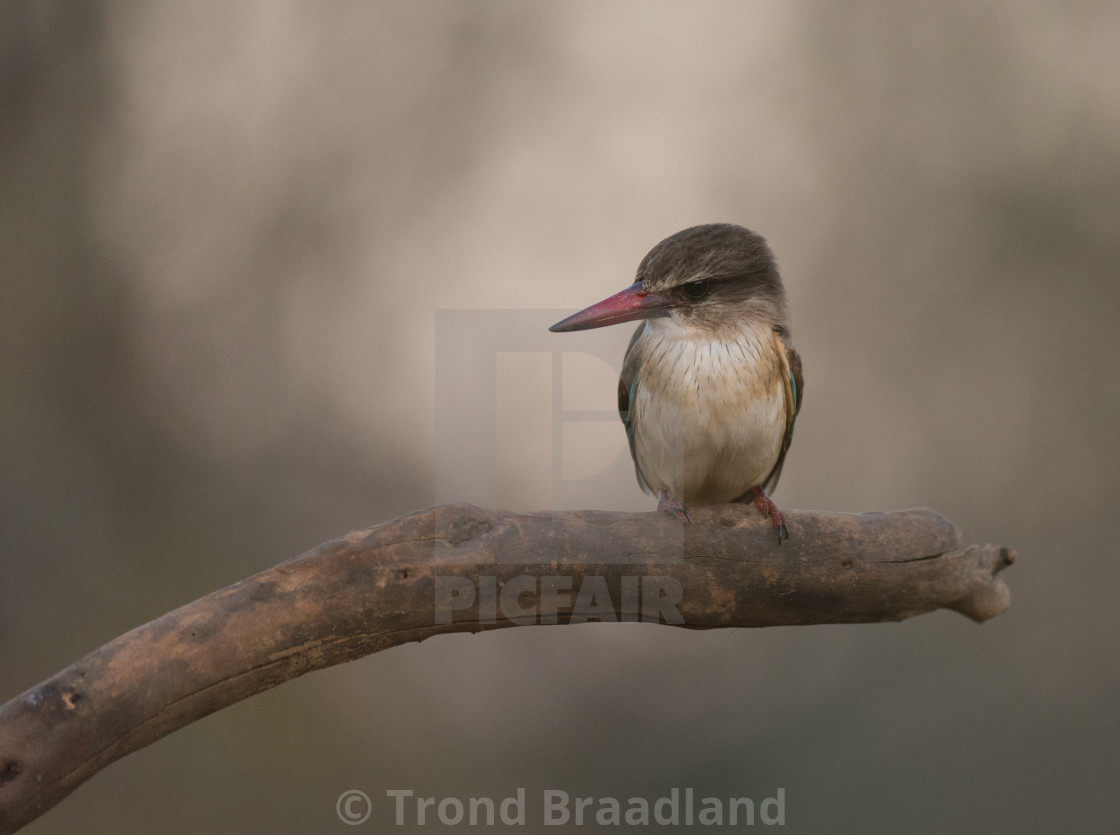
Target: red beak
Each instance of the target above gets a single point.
(632, 303)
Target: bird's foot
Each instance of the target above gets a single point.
(772, 512)
(672, 506)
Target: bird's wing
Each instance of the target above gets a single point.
(793, 385)
(627, 383)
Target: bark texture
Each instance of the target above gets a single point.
(459, 568)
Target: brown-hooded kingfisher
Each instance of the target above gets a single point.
(711, 383)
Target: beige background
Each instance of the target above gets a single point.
(224, 233)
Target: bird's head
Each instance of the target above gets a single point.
(713, 276)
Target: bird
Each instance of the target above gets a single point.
(711, 382)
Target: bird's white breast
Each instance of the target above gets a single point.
(709, 414)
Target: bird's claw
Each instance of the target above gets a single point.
(772, 512)
(673, 507)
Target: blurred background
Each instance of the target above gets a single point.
(225, 231)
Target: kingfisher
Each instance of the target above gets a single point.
(711, 382)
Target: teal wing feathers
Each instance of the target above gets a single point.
(793, 386)
(627, 385)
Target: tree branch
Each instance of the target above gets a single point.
(459, 568)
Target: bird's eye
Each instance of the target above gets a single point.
(697, 290)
